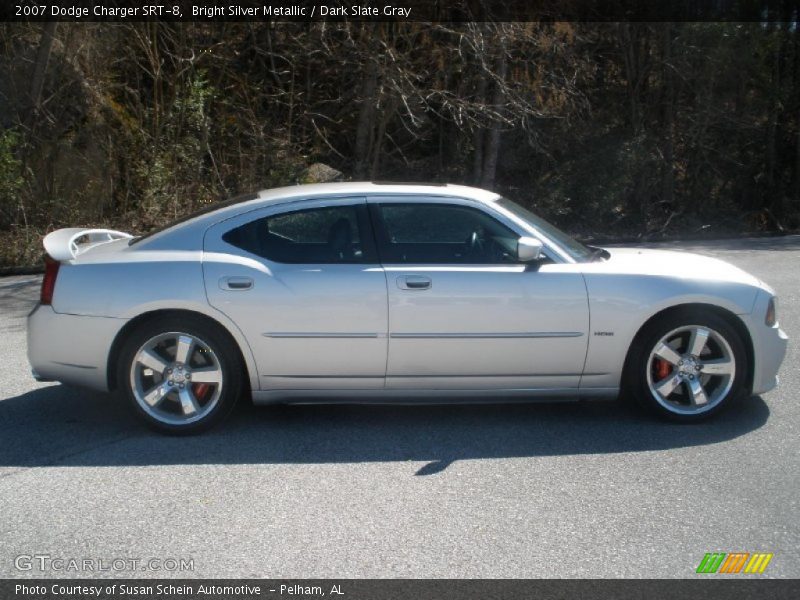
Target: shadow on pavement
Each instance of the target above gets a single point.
(17, 299)
(62, 426)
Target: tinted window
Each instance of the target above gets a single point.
(316, 235)
(442, 233)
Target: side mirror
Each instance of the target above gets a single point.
(528, 249)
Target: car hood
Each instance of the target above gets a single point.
(669, 263)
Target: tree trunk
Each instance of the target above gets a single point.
(366, 119)
(772, 127)
(492, 150)
(630, 35)
(668, 181)
(478, 134)
(377, 146)
(40, 68)
(797, 163)
(795, 85)
(490, 160)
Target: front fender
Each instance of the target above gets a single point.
(620, 304)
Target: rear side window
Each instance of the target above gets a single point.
(337, 234)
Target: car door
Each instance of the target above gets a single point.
(302, 282)
(464, 313)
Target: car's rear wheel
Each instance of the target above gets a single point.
(688, 366)
(181, 376)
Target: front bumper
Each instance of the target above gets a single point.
(70, 348)
(769, 347)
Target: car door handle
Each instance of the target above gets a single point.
(414, 282)
(236, 283)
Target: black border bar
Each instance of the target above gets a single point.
(707, 588)
(387, 10)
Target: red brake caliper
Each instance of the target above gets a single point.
(662, 368)
(200, 390)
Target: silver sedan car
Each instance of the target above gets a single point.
(382, 292)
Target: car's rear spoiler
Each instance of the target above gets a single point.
(66, 244)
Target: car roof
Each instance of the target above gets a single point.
(374, 188)
(235, 206)
(346, 189)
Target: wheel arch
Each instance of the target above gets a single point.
(119, 340)
(731, 318)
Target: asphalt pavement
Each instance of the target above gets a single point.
(537, 490)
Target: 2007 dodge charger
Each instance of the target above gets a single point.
(385, 292)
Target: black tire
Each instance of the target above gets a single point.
(222, 347)
(636, 386)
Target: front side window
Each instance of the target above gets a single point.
(574, 248)
(442, 233)
(312, 236)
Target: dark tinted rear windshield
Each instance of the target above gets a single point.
(203, 211)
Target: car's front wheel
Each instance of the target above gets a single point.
(181, 376)
(688, 366)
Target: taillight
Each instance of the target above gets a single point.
(49, 281)
(772, 315)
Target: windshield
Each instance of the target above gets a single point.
(572, 247)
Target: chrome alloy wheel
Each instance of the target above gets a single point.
(176, 378)
(691, 369)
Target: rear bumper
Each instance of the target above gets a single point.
(769, 347)
(70, 348)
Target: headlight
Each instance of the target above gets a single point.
(772, 315)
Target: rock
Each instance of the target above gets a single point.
(320, 173)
